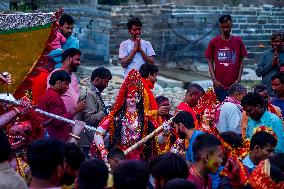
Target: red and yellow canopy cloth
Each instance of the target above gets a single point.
(23, 38)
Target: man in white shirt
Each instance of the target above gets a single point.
(135, 51)
(230, 110)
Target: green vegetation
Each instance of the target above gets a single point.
(27, 6)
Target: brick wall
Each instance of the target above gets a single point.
(179, 34)
(92, 28)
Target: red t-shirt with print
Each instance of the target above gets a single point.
(227, 56)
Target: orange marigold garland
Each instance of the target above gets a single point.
(265, 129)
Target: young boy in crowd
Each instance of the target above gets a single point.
(166, 167)
(262, 146)
(131, 174)
(93, 174)
(164, 101)
(73, 157)
(208, 157)
(114, 157)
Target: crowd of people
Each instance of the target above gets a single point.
(221, 137)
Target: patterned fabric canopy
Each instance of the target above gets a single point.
(23, 38)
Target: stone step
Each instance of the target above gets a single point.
(254, 54)
(256, 43)
(254, 49)
(255, 37)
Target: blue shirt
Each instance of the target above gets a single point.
(271, 120)
(56, 54)
(279, 103)
(189, 152)
(248, 163)
(71, 42)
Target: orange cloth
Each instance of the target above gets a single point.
(150, 104)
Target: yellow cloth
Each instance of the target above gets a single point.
(68, 187)
(20, 50)
(147, 108)
(110, 180)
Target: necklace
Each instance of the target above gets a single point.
(131, 117)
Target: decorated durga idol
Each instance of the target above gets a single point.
(205, 111)
(126, 124)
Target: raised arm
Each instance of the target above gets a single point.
(126, 58)
(263, 66)
(147, 56)
(99, 138)
(7, 117)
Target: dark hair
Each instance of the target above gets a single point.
(5, 147)
(73, 155)
(44, 156)
(135, 22)
(280, 76)
(259, 88)
(252, 99)
(66, 18)
(70, 53)
(232, 138)
(130, 174)
(224, 18)
(198, 87)
(184, 118)
(59, 75)
(168, 166)
(236, 88)
(93, 174)
(148, 69)
(276, 34)
(261, 139)
(160, 99)
(277, 167)
(116, 153)
(179, 183)
(204, 142)
(102, 73)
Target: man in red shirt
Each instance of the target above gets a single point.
(225, 55)
(52, 102)
(193, 94)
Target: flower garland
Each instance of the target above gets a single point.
(167, 146)
(260, 177)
